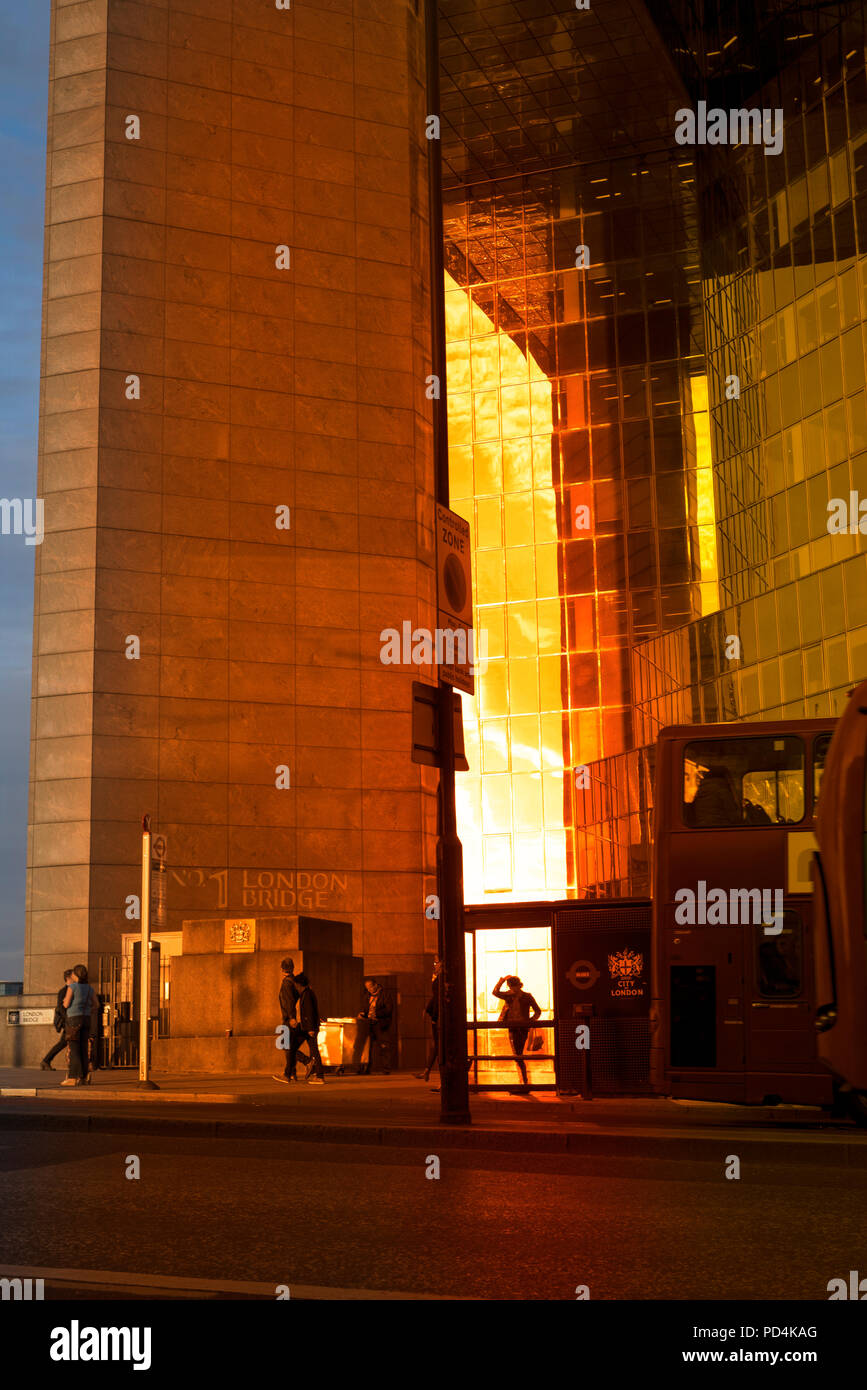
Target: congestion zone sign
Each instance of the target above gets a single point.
(455, 592)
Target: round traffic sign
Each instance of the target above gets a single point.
(582, 974)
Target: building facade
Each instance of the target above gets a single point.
(651, 513)
(235, 457)
(656, 398)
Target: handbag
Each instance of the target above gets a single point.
(535, 1040)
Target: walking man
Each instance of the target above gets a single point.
(59, 1024)
(289, 993)
(308, 1028)
(432, 1009)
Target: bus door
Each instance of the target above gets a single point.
(706, 1012)
(780, 1038)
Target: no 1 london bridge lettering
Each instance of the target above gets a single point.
(271, 888)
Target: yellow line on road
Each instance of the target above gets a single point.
(152, 1285)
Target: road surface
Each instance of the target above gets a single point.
(492, 1226)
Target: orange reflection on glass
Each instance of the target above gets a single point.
(705, 508)
(510, 803)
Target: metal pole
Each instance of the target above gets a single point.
(454, 1088)
(437, 268)
(145, 959)
(454, 1082)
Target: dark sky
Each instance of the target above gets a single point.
(23, 107)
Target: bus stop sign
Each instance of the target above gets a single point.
(582, 974)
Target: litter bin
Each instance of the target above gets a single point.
(336, 1041)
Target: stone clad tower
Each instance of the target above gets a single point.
(236, 464)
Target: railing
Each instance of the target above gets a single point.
(506, 1061)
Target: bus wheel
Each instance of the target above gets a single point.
(858, 1107)
(840, 1107)
(848, 1101)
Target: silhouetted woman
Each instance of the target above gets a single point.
(519, 1011)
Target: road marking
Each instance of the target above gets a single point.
(107, 1280)
(74, 1093)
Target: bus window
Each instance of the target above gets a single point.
(693, 1016)
(821, 744)
(778, 960)
(743, 781)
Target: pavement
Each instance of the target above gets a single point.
(398, 1109)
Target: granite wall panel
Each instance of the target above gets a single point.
(192, 386)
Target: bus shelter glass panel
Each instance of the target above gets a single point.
(743, 781)
(493, 953)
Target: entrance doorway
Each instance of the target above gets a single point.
(494, 952)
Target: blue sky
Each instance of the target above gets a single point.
(23, 110)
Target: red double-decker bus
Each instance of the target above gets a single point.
(841, 908)
(733, 969)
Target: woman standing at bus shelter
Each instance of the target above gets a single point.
(519, 1011)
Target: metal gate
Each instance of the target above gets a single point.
(116, 1043)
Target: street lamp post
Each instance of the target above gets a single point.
(454, 1087)
(145, 959)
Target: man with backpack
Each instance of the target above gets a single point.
(308, 1026)
(289, 995)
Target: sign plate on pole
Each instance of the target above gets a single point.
(455, 654)
(425, 731)
(159, 882)
(29, 1016)
(153, 980)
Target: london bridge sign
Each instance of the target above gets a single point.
(283, 890)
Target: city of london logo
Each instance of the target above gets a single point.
(625, 968)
